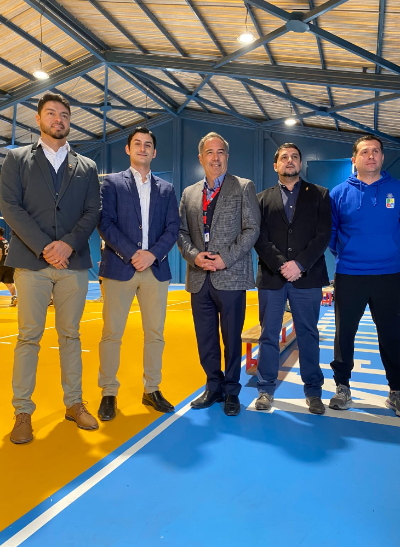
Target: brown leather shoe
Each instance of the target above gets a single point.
(78, 413)
(22, 432)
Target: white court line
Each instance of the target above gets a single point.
(96, 319)
(53, 511)
(355, 349)
(78, 492)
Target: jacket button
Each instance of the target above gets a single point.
(140, 226)
(290, 248)
(53, 227)
(139, 243)
(58, 209)
(290, 231)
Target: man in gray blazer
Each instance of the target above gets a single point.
(50, 197)
(220, 222)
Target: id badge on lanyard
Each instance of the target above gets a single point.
(206, 203)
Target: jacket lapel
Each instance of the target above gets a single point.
(197, 198)
(225, 192)
(279, 203)
(131, 184)
(72, 162)
(41, 159)
(155, 192)
(301, 198)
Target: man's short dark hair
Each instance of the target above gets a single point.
(141, 129)
(1, 231)
(286, 145)
(366, 138)
(47, 97)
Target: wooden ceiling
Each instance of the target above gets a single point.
(312, 59)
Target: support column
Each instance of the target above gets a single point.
(259, 159)
(177, 264)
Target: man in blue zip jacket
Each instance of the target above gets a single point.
(366, 243)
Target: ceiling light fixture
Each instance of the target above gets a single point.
(291, 120)
(246, 37)
(39, 73)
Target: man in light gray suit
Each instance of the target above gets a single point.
(50, 197)
(220, 222)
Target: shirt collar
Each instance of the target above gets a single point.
(217, 182)
(65, 148)
(297, 184)
(138, 176)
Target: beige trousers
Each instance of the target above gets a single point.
(34, 287)
(118, 296)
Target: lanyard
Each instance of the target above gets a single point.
(206, 203)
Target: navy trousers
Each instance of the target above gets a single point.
(305, 305)
(210, 307)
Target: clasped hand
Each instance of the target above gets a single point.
(57, 254)
(290, 271)
(142, 260)
(202, 260)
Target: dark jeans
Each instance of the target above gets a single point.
(305, 305)
(352, 294)
(209, 307)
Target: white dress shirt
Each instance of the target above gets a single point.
(144, 189)
(55, 158)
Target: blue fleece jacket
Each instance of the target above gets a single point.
(366, 226)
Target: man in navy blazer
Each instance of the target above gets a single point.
(139, 223)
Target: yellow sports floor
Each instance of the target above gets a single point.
(60, 451)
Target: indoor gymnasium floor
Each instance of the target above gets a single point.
(198, 478)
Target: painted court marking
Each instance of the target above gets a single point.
(362, 412)
(52, 512)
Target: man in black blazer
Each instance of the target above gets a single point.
(50, 196)
(295, 231)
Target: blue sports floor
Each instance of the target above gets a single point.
(284, 478)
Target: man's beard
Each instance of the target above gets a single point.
(291, 174)
(54, 133)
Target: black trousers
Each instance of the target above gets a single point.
(210, 307)
(352, 294)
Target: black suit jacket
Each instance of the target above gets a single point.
(304, 239)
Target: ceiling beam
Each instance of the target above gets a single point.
(57, 77)
(89, 110)
(61, 18)
(34, 130)
(282, 14)
(161, 27)
(302, 75)
(352, 48)
(16, 69)
(26, 36)
(194, 93)
(154, 97)
(206, 27)
(379, 47)
(117, 25)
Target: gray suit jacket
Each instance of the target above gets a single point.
(37, 217)
(234, 230)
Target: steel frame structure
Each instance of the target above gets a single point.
(132, 66)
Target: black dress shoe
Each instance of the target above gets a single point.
(157, 401)
(207, 399)
(107, 408)
(232, 405)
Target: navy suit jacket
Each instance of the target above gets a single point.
(121, 225)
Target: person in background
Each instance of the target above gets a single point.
(366, 245)
(6, 273)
